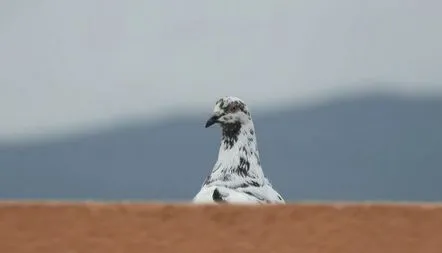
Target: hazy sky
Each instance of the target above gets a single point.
(70, 64)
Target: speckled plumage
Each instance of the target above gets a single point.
(237, 176)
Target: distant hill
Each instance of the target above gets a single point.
(368, 148)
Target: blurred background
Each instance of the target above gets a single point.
(107, 100)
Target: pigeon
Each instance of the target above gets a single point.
(237, 176)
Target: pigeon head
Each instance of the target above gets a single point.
(229, 111)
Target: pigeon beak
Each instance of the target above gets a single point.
(212, 120)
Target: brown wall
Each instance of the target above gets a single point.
(133, 228)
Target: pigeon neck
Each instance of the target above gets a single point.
(238, 159)
(236, 136)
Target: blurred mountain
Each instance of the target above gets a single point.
(377, 147)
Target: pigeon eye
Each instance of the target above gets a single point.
(233, 108)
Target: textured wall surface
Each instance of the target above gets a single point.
(96, 227)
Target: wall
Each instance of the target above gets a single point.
(98, 227)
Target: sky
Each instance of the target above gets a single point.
(70, 65)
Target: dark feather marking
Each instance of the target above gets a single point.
(217, 197)
(243, 167)
(253, 195)
(230, 133)
(245, 150)
(250, 140)
(226, 177)
(254, 183)
(208, 179)
(257, 158)
(221, 103)
(251, 183)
